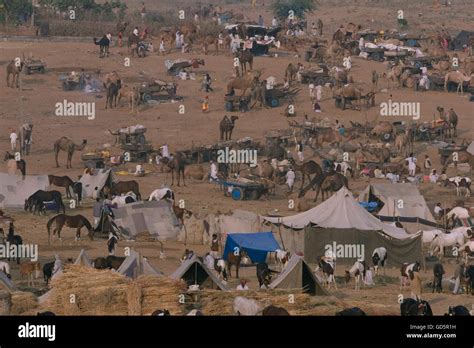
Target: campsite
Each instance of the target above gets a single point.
(134, 211)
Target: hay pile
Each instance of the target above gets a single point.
(102, 292)
(23, 303)
(221, 303)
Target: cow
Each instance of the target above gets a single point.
(274, 311)
(460, 182)
(357, 271)
(48, 271)
(458, 311)
(379, 257)
(328, 267)
(220, 267)
(438, 272)
(407, 271)
(351, 312)
(411, 307)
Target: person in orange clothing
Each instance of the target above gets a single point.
(205, 104)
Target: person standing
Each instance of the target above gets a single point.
(411, 165)
(136, 32)
(260, 20)
(97, 212)
(13, 139)
(434, 177)
(205, 104)
(311, 87)
(290, 179)
(427, 165)
(143, 11)
(458, 273)
(319, 93)
(162, 47)
(213, 172)
(196, 17)
(165, 152)
(178, 40)
(208, 82)
(274, 22)
(438, 210)
(299, 151)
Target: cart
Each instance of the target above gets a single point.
(157, 90)
(347, 103)
(375, 53)
(243, 189)
(319, 76)
(93, 160)
(419, 62)
(32, 64)
(174, 67)
(132, 140)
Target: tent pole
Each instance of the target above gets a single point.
(281, 238)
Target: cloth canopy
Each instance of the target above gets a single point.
(257, 245)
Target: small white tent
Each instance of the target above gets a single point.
(135, 265)
(14, 190)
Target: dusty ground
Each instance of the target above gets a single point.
(36, 100)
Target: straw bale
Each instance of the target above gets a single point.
(23, 303)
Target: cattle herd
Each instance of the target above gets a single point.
(326, 102)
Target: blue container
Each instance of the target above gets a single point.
(51, 205)
(237, 194)
(274, 102)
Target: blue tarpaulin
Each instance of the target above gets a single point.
(257, 245)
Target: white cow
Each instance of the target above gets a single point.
(162, 193)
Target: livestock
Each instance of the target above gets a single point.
(379, 257)
(438, 272)
(357, 271)
(411, 307)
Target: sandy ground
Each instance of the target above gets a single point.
(36, 100)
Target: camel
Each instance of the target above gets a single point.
(306, 169)
(131, 94)
(65, 144)
(258, 94)
(25, 138)
(112, 77)
(338, 75)
(329, 182)
(210, 41)
(176, 164)
(245, 57)
(13, 69)
(401, 143)
(245, 82)
(350, 92)
(457, 77)
(291, 71)
(381, 153)
(112, 93)
(394, 75)
(450, 119)
(442, 65)
(353, 29)
(263, 170)
(196, 172)
(462, 157)
(326, 136)
(226, 127)
(383, 127)
(103, 44)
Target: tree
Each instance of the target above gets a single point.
(16, 9)
(282, 8)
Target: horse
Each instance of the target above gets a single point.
(444, 240)
(20, 164)
(38, 198)
(62, 181)
(124, 187)
(233, 259)
(14, 240)
(74, 221)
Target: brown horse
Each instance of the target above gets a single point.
(62, 181)
(235, 260)
(124, 187)
(74, 221)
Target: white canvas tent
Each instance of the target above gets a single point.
(83, 259)
(98, 180)
(298, 275)
(135, 265)
(400, 199)
(6, 283)
(194, 272)
(156, 218)
(14, 190)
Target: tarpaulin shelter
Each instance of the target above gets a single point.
(153, 217)
(97, 181)
(6, 283)
(135, 265)
(14, 190)
(257, 245)
(341, 223)
(194, 272)
(298, 275)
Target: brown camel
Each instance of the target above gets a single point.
(326, 136)
(131, 94)
(329, 182)
(462, 157)
(457, 77)
(339, 76)
(15, 70)
(210, 41)
(394, 75)
(442, 65)
(450, 118)
(65, 144)
(245, 82)
(401, 143)
(306, 169)
(245, 57)
(226, 127)
(291, 71)
(176, 164)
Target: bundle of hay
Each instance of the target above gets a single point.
(23, 303)
(83, 290)
(296, 303)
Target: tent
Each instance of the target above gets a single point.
(6, 283)
(298, 275)
(340, 224)
(83, 259)
(470, 148)
(257, 245)
(461, 39)
(397, 200)
(194, 272)
(155, 218)
(100, 178)
(135, 265)
(14, 190)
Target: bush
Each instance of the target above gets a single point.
(282, 8)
